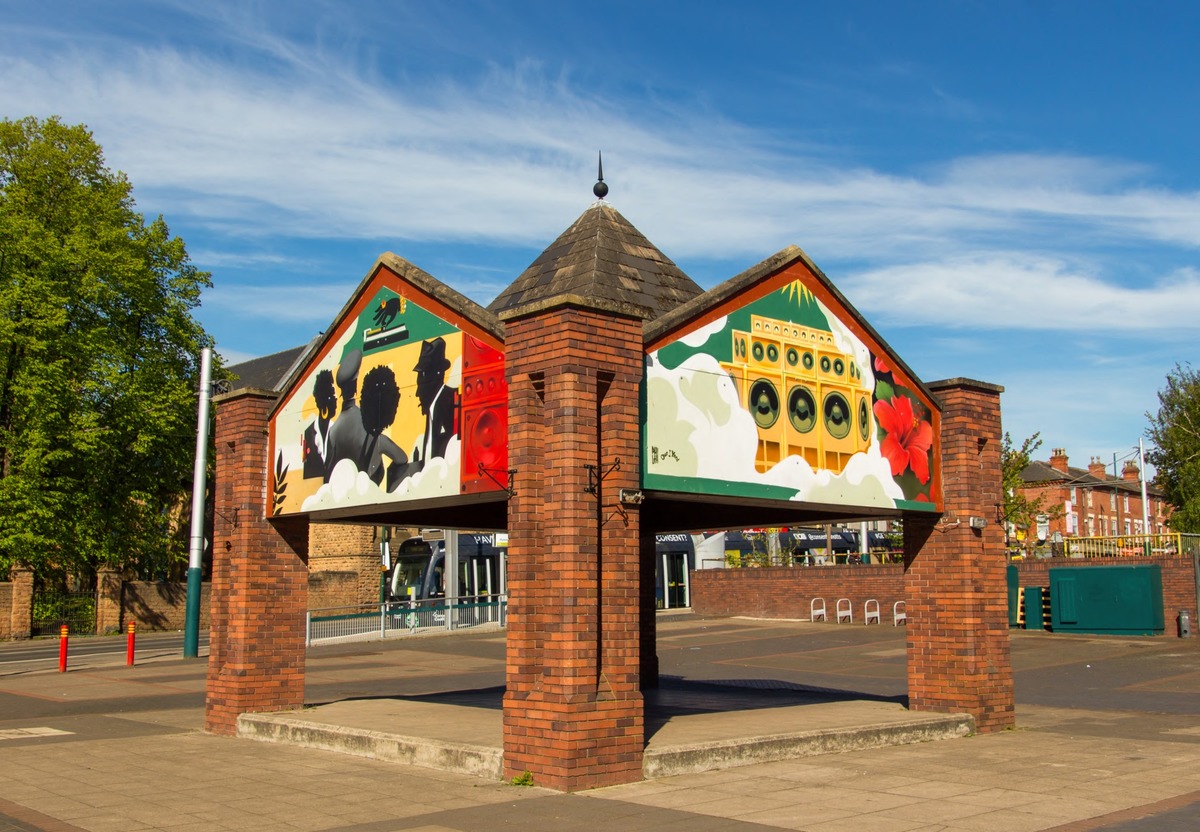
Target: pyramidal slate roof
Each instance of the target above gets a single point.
(601, 262)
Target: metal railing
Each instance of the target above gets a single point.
(399, 619)
(1132, 545)
(53, 609)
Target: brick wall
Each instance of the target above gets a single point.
(783, 592)
(21, 607)
(260, 576)
(6, 593)
(157, 605)
(958, 645)
(343, 565)
(339, 589)
(780, 592)
(573, 706)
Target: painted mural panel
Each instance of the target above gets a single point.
(380, 416)
(781, 399)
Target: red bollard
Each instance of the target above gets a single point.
(129, 645)
(62, 649)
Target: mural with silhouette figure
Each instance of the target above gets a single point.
(376, 414)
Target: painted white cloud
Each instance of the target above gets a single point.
(348, 486)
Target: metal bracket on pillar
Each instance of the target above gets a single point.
(595, 477)
(490, 473)
(232, 521)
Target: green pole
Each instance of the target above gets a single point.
(191, 623)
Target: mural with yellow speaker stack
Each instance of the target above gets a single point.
(783, 398)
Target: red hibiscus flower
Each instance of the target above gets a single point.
(908, 438)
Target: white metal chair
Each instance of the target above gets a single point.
(845, 610)
(871, 611)
(899, 613)
(817, 608)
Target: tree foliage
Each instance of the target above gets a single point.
(1175, 433)
(1020, 510)
(98, 359)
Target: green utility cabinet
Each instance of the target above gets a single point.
(1116, 600)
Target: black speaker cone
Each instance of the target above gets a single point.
(837, 415)
(802, 409)
(764, 403)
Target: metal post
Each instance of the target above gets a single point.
(62, 648)
(450, 577)
(191, 628)
(1142, 477)
(129, 644)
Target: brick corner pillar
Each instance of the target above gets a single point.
(573, 709)
(109, 588)
(21, 614)
(260, 576)
(954, 575)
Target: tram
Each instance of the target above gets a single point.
(417, 571)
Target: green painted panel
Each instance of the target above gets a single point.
(1118, 600)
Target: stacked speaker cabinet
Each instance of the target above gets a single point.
(484, 418)
(805, 395)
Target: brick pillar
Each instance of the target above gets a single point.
(21, 615)
(260, 577)
(572, 706)
(108, 601)
(954, 578)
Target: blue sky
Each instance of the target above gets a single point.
(1008, 191)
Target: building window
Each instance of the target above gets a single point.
(1072, 493)
(1127, 502)
(1127, 529)
(1112, 501)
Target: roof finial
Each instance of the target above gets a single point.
(600, 189)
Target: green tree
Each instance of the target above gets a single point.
(99, 360)
(1020, 510)
(1175, 433)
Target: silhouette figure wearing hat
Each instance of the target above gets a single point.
(316, 435)
(438, 402)
(359, 437)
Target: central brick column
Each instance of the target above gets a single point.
(572, 707)
(954, 579)
(260, 577)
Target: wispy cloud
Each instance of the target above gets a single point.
(313, 143)
(1024, 292)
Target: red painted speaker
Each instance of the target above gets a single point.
(484, 418)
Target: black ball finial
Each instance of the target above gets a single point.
(600, 189)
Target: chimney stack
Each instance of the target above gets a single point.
(1058, 459)
(1098, 469)
(1131, 473)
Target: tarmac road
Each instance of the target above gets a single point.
(1108, 732)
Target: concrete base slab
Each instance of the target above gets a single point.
(690, 728)
(427, 752)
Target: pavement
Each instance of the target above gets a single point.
(1107, 738)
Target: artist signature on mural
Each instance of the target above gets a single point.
(665, 454)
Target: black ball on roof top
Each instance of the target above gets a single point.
(600, 189)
